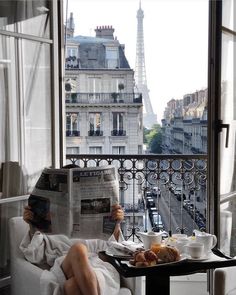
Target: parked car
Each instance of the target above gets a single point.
(157, 222)
(157, 218)
(148, 194)
(177, 192)
(186, 203)
(150, 203)
(156, 191)
(153, 209)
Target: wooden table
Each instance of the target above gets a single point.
(158, 277)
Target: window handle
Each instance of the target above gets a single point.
(220, 127)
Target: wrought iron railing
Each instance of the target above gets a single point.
(95, 133)
(72, 133)
(171, 187)
(103, 98)
(120, 132)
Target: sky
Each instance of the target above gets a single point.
(175, 41)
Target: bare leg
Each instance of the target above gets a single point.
(70, 287)
(76, 264)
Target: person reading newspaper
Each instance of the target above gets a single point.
(74, 264)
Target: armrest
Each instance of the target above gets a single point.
(219, 253)
(24, 271)
(133, 284)
(224, 280)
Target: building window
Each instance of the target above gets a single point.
(118, 124)
(96, 150)
(94, 124)
(112, 57)
(118, 121)
(118, 150)
(94, 85)
(72, 124)
(72, 51)
(140, 149)
(72, 57)
(72, 150)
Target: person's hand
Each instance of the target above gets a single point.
(117, 213)
(28, 215)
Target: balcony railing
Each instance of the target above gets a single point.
(103, 98)
(170, 186)
(71, 62)
(95, 133)
(116, 132)
(72, 133)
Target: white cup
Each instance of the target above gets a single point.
(209, 241)
(194, 249)
(181, 243)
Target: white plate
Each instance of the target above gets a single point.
(198, 259)
(158, 264)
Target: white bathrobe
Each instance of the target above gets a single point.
(51, 250)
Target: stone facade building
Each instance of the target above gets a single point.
(103, 113)
(184, 126)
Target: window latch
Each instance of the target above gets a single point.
(226, 126)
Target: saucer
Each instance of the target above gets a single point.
(198, 259)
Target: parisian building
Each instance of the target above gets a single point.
(103, 112)
(184, 129)
(184, 126)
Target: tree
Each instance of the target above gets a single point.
(155, 144)
(145, 133)
(153, 139)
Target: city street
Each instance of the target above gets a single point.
(176, 217)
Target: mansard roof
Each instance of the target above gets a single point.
(92, 52)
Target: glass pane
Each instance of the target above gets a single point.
(37, 107)
(25, 114)
(9, 122)
(8, 99)
(228, 155)
(228, 16)
(28, 17)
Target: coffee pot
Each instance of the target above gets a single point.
(149, 238)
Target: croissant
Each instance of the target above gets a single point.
(168, 254)
(151, 257)
(144, 258)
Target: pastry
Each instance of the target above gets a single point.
(151, 257)
(139, 256)
(168, 254)
(144, 258)
(156, 247)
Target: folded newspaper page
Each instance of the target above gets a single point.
(76, 202)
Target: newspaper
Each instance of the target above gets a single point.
(76, 202)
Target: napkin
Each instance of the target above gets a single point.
(127, 247)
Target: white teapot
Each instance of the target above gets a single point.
(150, 238)
(208, 240)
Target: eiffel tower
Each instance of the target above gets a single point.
(149, 117)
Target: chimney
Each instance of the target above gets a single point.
(105, 32)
